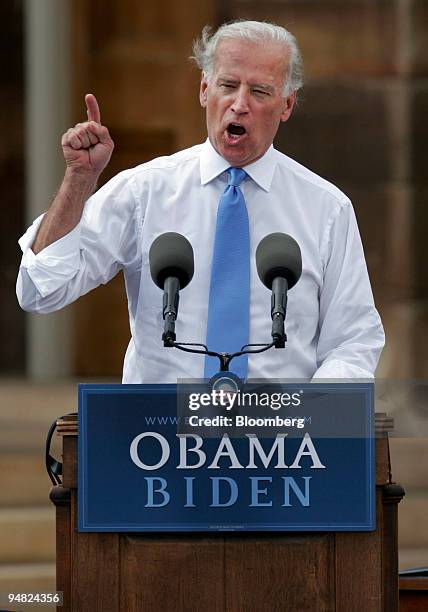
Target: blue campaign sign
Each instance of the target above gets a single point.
(302, 460)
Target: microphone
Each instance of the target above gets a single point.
(171, 268)
(279, 266)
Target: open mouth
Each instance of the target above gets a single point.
(235, 130)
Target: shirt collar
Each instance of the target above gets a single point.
(261, 171)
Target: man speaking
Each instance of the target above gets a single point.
(224, 196)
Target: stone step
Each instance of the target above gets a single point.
(409, 462)
(27, 535)
(409, 558)
(27, 410)
(34, 404)
(28, 578)
(23, 479)
(413, 521)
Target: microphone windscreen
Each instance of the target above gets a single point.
(171, 254)
(278, 254)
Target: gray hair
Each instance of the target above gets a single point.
(254, 31)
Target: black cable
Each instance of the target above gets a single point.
(53, 466)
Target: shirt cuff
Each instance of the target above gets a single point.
(336, 368)
(56, 264)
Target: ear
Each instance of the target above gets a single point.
(203, 91)
(289, 102)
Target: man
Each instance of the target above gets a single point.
(251, 72)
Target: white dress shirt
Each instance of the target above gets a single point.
(333, 328)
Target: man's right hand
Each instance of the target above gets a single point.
(87, 150)
(88, 147)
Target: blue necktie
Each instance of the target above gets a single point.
(229, 301)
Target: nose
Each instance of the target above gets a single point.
(240, 103)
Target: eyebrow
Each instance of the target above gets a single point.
(232, 81)
(268, 88)
(226, 79)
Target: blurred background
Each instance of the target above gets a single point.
(361, 123)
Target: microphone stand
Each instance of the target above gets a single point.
(170, 310)
(225, 358)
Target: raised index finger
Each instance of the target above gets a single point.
(92, 108)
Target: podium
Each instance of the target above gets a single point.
(226, 571)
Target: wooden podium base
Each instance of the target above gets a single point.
(233, 572)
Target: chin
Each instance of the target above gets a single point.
(234, 157)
